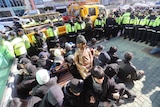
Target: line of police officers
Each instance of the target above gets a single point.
(138, 25)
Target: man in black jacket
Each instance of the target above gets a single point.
(128, 71)
(72, 93)
(99, 89)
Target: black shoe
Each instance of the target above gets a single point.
(132, 97)
(146, 42)
(124, 38)
(134, 40)
(141, 41)
(120, 102)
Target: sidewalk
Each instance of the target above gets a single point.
(148, 88)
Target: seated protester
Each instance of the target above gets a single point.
(57, 51)
(92, 46)
(112, 53)
(44, 83)
(72, 93)
(57, 47)
(111, 71)
(83, 57)
(97, 52)
(39, 40)
(102, 57)
(18, 102)
(44, 61)
(68, 50)
(53, 98)
(28, 74)
(58, 66)
(128, 71)
(34, 60)
(99, 88)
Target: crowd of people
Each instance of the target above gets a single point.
(98, 74)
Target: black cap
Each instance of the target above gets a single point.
(76, 85)
(24, 61)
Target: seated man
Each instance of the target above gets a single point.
(128, 71)
(112, 53)
(44, 83)
(99, 89)
(72, 93)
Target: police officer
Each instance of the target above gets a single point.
(19, 46)
(109, 27)
(52, 33)
(140, 27)
(5, 54)
(154, 37)
(125, 22)
(80, 26)
(150, 24)
(117, 26)
(88, 29)
(39, 41)
(20, 33)
(132, 22)
(98, 27)
(71, 31)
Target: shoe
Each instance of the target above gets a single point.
(131, 98)
(141, 41)
(134, 40)
(146, 42)
(120, 102)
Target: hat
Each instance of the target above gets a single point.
(76, 85)
(59, 59)
(70, 58)
(34, 59)
(43, 55)
(68, 46)
(24, 61)
(100, 47)
(112, 69)
(80, 39)
(42, 76)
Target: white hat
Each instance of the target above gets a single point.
(42, 76)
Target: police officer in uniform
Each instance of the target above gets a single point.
(150, 24)
(52, 34)
(19, 46)
(109, 27)
(39, 41)
(71, 31)
(98, 27)
(80, 26)
(140, 27)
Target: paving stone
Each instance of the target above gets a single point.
(147, 88)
